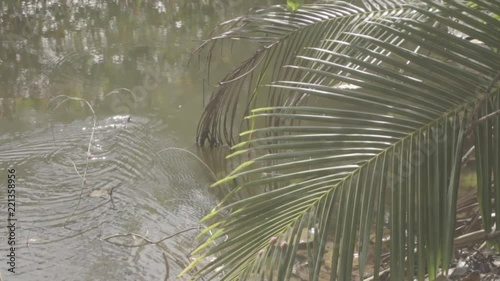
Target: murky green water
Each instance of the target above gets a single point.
(126, 58)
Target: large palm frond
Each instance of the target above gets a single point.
(395, 96)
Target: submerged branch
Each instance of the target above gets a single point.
(148, 241)
(89, 154)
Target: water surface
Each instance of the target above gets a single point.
(127, 59)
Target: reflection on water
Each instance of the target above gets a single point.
(127, 58)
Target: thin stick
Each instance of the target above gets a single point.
(379, 275)
(88, 104)
(67, 98)
(76, 170)
(111, 196)
(474, 237)
(467, 155)
(148, 241)
(84, 181)
(166, 265)
(482, 120)
(486, 117)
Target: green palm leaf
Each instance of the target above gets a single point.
(360, 116)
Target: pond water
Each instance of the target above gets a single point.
(129, 60)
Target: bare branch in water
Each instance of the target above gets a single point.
(148, 241)
(89, 154)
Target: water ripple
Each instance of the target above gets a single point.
(61, 222)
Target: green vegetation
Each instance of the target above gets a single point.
(359, 121)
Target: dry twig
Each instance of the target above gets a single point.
(83, 177)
